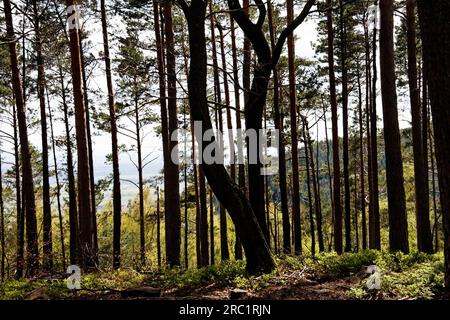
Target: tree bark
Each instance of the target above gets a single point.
(58, 187)
(316, 191)
(258, 255)
(308, 185)
(27, 171)
(436, 41)
(424, 239)
(117, 197)
(374, 217)
(73, 214)
(172, 194)
(345, 143)
(19, 208)
(47, 243)
(337, 210)
(279, 125)
(240, 155)
(85, 212)
(294, 138)
(89, 143)
(398, 225)
(2, 226)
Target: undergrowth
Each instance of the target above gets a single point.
(411, 276)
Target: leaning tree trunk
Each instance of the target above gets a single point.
(436, 41)
(27, 171)
(259, 258)
(398, 224)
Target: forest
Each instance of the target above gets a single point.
(225, 149)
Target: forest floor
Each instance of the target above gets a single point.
(324, 277)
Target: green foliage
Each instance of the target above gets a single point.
(412, 276)
(112, 279)
(224, 273)
(21, 289)
(336, 266)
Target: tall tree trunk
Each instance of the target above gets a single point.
(211, 227)
(89, 143)
(240, 154)
(47, 243)
(345, 143)
(2, 225)
(158, 228)
(424, 238)
(425, 136)
(58, 187)
(308, 185)
(337, 210)
(19, 210)
(368, 106)
(398, 224)
(85, 212)
(330, 178)
(172, 214)
(361, 161)
(140, 169)
(294, 138)
(319, 198)
(281, 149)
(185, 180)
(433, 190)
(73, 215)
(435, 36)
(219, 128)
(117, 197)
(203, 221)
(374, 217)
(158, 28)
(316, 192)
(27, 172)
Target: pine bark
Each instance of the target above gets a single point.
(423, 229)
(436, 41)
(117, 198)
(398, 225)
(279, 125)
(337, 209)
(172, 194)
(86, 229)
(32, 259)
